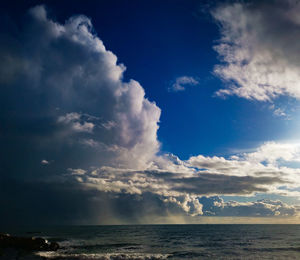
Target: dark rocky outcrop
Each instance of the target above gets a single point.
(29, 244)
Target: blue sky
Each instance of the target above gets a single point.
(180, 110)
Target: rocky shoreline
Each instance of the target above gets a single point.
(23, 248)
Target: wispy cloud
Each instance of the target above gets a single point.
(45, 162)
(181, 83)
(76, 123)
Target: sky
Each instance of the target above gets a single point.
(146, 112)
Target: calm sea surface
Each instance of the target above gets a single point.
(172, 241)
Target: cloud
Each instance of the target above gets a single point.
(44, 162)
(268, 160)
(174, 184)
(64, 92)
(266, 156)
(271, 152)
(187, 182)
(181, 83)
(77, 171)
(279, 111)
(63, 96)
(215, 206)
(73, 120)
(259, 49)
(72, 203)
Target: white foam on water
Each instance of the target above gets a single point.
(104, 256)
(71, 242)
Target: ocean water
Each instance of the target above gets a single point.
(171, 241)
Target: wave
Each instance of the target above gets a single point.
(102, 256)
(107, 246)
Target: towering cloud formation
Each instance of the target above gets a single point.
(259, 49)
(65, 92)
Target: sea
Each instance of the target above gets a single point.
(170, 241)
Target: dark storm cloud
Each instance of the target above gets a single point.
(224, 184)
(170, 183)
(65, 203)
(63, 99)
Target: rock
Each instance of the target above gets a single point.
(27, 243)
(53, 246)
